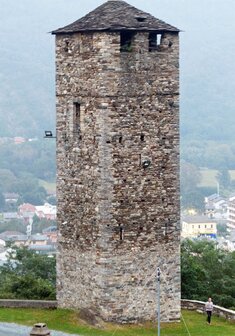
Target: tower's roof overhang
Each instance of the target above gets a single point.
(116, 15)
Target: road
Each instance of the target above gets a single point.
(11, 329)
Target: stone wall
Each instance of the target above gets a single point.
(27, 304)
(200, 305)
(118, 220)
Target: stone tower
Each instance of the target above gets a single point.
(117, 87)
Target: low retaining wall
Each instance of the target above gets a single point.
(27, 304)
(200, 305)
(185, 304)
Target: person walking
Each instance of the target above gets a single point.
(209, 309)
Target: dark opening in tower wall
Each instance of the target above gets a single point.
(126, 41)
(154, 41)
(76, 117)
(141, 18)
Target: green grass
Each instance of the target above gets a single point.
(68, 321)
(49, 186)
(209, 177)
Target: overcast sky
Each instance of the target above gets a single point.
(207, 38)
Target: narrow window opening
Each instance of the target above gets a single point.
(76, 119)
(126, 41)
(154, 41)
(159, 39)
(142, 137)
(166, 229)
(121, 232)
(120, 139)
(66, 48)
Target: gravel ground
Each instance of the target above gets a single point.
(12, 329)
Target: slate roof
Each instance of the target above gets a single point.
(198, 219)
(38, 237)
(116, 15)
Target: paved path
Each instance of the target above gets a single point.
(12, 329)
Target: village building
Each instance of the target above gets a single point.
(231, 213)
(26, 211)
(198, 227)
(14, 237)
(46, 211)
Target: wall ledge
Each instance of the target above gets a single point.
(228, 314)
(7, 303)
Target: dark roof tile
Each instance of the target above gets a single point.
(116, 15)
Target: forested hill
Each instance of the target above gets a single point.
(27, 104)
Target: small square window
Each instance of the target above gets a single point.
(126, 41)
(154, 41)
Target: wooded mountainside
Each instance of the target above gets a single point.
(27, 104)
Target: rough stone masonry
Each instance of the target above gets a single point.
(117, 88)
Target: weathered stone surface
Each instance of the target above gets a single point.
(118, 221)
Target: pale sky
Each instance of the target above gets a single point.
(207, 41)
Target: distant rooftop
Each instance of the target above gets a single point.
(198, 219)
(38, 237)
(116, 15)
(52, 228)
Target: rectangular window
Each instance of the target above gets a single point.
(76, 118)
(126, 41)
(154, 41)
(121, 232)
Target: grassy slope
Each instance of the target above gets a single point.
(68, 321)
(209, 177)
(49, 186)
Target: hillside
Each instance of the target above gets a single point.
(27, 104)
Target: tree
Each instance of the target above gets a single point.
(2, 201)
(190, 177)
(40, 224)
(191, 195)
(27, 275)
(224, 179)
(13, 225)
(222, 230)
(207, 271)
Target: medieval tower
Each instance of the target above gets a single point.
(117, 87)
